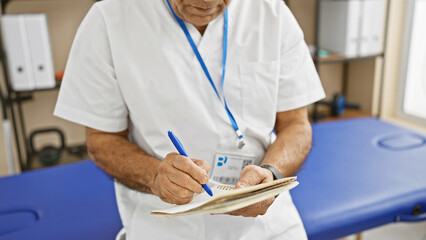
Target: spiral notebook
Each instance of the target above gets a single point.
(226, 198)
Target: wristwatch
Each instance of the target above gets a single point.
(275, 172)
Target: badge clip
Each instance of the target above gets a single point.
(241, 141)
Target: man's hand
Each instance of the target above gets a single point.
(250, 176)
(179, 177)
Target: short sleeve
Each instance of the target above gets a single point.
(299, 83)
(89, 93)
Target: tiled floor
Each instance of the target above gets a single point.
(397, 231)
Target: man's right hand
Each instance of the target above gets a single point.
(179, 177)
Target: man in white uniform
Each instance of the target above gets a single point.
(139, 68)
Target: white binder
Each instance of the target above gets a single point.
(17, 52)
(378, 26)
(372, 27)
(28, 52)
(366, 27)
(40, 51)
(339, 30)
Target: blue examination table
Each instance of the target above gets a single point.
(71, 202)
(360, 174)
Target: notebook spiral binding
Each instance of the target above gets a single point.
(227, 188)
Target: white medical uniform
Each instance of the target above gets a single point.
(131, 67)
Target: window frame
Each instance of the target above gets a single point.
(405, 55)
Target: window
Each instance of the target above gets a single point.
(414, 58)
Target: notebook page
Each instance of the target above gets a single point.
(199, 199)
(249, 200)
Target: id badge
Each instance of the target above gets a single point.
(227, 168)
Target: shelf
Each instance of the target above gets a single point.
(336, 58)
(349, 113)
(57, 86)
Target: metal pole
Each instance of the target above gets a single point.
(7, 137)
(23, 130)
(8, 100)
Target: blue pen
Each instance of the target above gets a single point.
(181, 150)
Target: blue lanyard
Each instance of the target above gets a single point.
(206, 71)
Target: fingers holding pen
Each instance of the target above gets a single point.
(178, 178)
(186, 181)
(189, 167)
(202, 164)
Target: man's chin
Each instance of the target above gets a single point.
(199, 21)
(199, 24)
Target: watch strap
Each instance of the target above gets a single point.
(275, 172)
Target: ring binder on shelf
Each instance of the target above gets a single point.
(17, 52)
(41, 54)
(28, 51)
(339, 27)
(352, 28)
(372, 27)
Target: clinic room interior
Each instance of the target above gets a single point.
(363, 178)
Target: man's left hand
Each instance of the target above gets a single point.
(250, 176)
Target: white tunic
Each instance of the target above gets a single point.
(131, 67)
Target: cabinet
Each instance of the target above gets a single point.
(361, 78)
